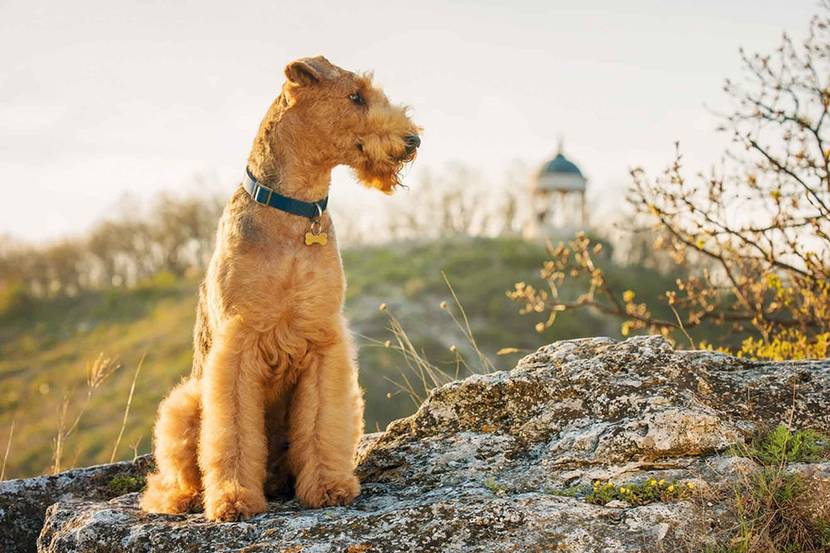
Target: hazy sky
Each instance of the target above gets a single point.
(102, 99)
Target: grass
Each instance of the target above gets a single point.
(408, 278)
(8, 450)
(127, 409)
(781, 446)
(776, 510)
(46, 356)
(45, 346)
(97, 373)
(418, 375)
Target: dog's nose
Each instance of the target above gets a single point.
(412, 141)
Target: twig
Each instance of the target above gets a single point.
(681, 327)
(134, 447)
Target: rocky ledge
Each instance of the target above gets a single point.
(511, 461)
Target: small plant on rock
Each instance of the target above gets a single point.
(776, 510)
(121, 484)
(492, 485)
(641, 493)
(782, 445)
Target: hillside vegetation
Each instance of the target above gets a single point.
(46, 350)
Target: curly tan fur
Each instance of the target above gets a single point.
(273, 399)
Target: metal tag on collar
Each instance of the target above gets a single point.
(314, 234)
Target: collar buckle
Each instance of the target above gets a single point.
(255, 194)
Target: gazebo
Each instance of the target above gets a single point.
(558, 194)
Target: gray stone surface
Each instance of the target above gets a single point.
(481, 466)
(23, 502)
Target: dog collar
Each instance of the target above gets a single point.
(267, 197)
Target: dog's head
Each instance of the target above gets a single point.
(341, 118)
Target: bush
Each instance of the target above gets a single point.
(14, 299)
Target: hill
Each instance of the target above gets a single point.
(45, 352)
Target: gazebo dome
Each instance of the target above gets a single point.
(560, 175)
(560, 164)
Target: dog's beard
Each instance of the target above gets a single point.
(385, 176)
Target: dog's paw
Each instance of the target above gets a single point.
(328, 491)
(158, 498)
(232, 504)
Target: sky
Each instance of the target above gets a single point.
(103, 104)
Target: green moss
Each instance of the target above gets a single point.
(570, 491)
(121, 484)
(492, 485)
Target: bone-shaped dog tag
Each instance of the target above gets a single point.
(319, 238)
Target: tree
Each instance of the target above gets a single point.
(753, 236)
(182, 229)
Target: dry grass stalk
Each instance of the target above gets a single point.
(127, 408)
(426, 374)
(8, 449)
(96, 374)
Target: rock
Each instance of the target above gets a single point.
(503, 462)
(23, 502)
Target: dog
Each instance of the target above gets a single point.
(273, 402)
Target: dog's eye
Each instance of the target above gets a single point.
(357, 99)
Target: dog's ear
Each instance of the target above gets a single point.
(309, 71)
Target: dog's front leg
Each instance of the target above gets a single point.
(325, 425)
(232, 445)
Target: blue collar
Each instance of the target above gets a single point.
(267, 197)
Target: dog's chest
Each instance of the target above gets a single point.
(270, 287)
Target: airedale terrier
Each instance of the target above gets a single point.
(273, 398)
